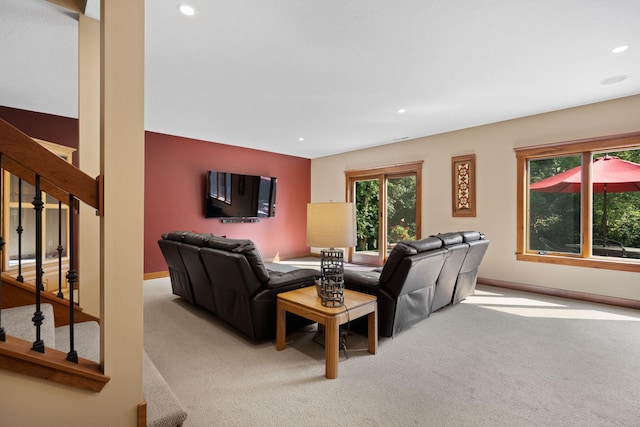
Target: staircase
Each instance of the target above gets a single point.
(47, 335)
(110, 53)
(30, 162)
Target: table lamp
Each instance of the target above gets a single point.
(331, 225)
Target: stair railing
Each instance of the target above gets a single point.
(30, 162)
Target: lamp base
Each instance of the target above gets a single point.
(332, 277)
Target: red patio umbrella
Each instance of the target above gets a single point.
(609, 175)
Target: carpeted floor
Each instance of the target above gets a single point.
(500, 358)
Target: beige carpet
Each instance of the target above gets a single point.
(500, 358)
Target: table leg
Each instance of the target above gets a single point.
(331, 337)
(281, 327)
(373, 330)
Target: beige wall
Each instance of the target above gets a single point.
(496, 189)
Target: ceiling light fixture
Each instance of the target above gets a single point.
(300, 139)
(620, 48)
(187, 10)
(401, 111)
(613, 79)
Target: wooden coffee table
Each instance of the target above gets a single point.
(305, 302)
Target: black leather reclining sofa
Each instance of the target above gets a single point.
(420, 277)
(228, 278)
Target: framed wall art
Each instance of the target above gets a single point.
(463, 173)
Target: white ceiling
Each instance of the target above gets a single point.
(262, 74)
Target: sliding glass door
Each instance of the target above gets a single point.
(387, 209)
(367, 202)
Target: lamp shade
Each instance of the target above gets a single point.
(331, 225)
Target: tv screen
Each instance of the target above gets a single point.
(231, 195)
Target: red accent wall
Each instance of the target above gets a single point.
(175, 172)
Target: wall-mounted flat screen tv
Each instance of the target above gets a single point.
(231, 195)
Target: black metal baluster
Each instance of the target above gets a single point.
(19, 230)
(38, 205)
(60, 294)
(72, 277)
(3, 336)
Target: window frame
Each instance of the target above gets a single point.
(382, 174)
(586, 148)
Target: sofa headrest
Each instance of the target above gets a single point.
(224, 244)
(255, 260)
(450, 238)
(398, 253)
(176, 236)
(470, 236)
(428, 244)
(244, 247)
(196, 239)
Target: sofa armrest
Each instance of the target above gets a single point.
(362, 281)
(279, 279)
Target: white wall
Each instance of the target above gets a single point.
(496, 187)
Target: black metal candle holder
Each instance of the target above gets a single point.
(332, 277)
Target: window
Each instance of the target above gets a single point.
(579, 203)
(387, 202)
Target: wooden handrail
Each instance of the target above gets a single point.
(24, 157)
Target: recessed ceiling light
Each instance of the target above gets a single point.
(613, 79)
(187, 10)
(401, 111)
(300, 139)
(620, 49)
